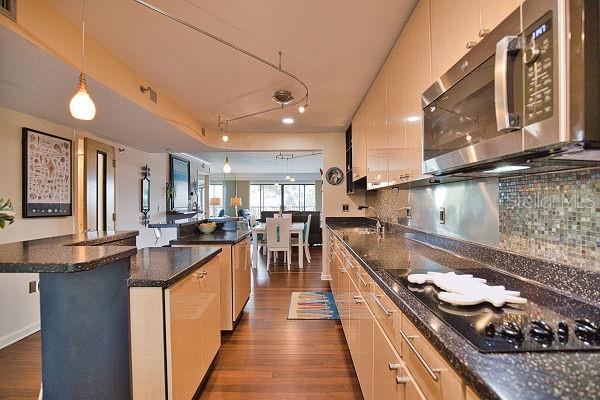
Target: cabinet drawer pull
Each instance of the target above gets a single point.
(432, 372)
(362, 280)
(343, 269)
(394, 367)
(471, 44)
(359, 301)
(402, 380)
(380, 304)
(201, 274)
(483, 31)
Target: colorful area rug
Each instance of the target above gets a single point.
(312, 305)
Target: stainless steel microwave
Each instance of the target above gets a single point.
(529, 89)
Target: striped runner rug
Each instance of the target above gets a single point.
(312, 305)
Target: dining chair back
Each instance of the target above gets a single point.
(278, 238)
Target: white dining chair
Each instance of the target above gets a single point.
(302, 240)
(278, 239)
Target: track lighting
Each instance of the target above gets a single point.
(288, 120)
(225, 138)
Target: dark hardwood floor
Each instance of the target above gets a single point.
(266, 357)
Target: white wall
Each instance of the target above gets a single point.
(19, 310)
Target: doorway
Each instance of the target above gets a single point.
(96, 184)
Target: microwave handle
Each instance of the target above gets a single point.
(506, 118)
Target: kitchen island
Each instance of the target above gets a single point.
(414, 348)
(83, 308)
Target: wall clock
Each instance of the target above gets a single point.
(334, 176)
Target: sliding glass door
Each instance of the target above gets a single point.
(300, 197)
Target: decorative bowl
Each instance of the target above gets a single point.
(207, 228)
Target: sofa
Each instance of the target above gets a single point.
(314, 235)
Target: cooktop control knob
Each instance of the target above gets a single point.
(531, 54)
(587, 331)
(490, 330)
(563, 331)
(541, 331)
(511, 330)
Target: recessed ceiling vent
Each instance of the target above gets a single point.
(283, 97)
(9, 8)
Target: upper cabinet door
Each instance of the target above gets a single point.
(494, 11)
(454, 23)
(416, 51)
(396, 114)
(359, 144)
(377, 144)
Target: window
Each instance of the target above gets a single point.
(215, 191)
(286, 197)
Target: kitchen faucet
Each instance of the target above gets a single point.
(379, 225)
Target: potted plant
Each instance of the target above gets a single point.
(7, 215)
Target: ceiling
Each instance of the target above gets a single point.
(335, 46)
(262, 162)
(35, 82)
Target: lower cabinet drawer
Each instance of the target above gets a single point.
(386, 313)
(391, 380)
(433, 374)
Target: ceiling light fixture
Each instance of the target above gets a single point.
(225, 138)
(226, 166)
(288, 120)
(81, 105)
(303, 108)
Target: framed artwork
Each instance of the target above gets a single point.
(47, 175)
(180, 176)
(334, 176)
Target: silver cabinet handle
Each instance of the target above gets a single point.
(380, 304)
(362, 280)
(506, 118)
(483, 31)
(402, 380)
(432, 372)
(343, 269)
(394, 367)
(471, 44)
(359, 301)
(201, 274)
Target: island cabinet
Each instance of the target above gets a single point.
(235, 266)
(175, 334)
(392, 359)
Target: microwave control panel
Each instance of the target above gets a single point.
(538, 68)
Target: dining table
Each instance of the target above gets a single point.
(297, 229)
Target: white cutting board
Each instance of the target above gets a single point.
(467, 290)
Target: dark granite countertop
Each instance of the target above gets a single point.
(505, 376)
(66, 253)
(164, 266)
(217, 237)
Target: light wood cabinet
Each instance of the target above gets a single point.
(236, 277)
(454, 23)
(377, 143)
(359, 144)
(365, 350)
(396, 138)
(175, 335)
(240, 265)
(495, 11)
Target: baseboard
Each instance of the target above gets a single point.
(325, 277)
(18, 335)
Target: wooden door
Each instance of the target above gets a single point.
(183, 319)
(391, 380)
(241, 276)
(365, 351)
(99, 186)
(210, 300)
(377, 143)
(416, 78)
(494, 12)
(359, 144)
(453, 24)
(395, 115)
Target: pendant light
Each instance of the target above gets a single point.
(287, 169)
(292, 178)
(276, 171)
(226, 166)
(81, 105)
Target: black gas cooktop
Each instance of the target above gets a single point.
(547, 322)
